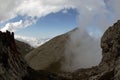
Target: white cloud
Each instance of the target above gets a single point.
(41, 8)
(31, 40)
(8, 9)
(12, 26)
(65, 11)
(31, 9)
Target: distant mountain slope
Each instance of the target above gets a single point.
(49, 55)
(34, 42)
(23, 48)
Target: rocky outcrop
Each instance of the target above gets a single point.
(110, 44)
(13, 65)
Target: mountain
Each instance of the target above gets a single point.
(49, 55)
(23, 48)
(34, 42)
(14, 67)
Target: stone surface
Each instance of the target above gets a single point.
(12, 65)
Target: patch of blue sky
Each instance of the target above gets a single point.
(52, 25)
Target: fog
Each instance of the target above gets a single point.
(83, 48)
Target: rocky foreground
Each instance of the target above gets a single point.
(14, 67)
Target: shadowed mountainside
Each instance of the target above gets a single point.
(23, 48)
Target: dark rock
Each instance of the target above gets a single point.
(12, 65)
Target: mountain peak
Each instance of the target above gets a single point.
(7, 40)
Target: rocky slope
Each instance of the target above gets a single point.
(49, 55)
(13, 65)
(23, 48)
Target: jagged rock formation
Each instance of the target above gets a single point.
(13, 65)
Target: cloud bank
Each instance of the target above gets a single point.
(32, 41)
(12, 26)
(35, 9)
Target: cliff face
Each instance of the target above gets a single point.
(110, 44)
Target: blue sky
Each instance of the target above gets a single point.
(52, 25)
(49, 26)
